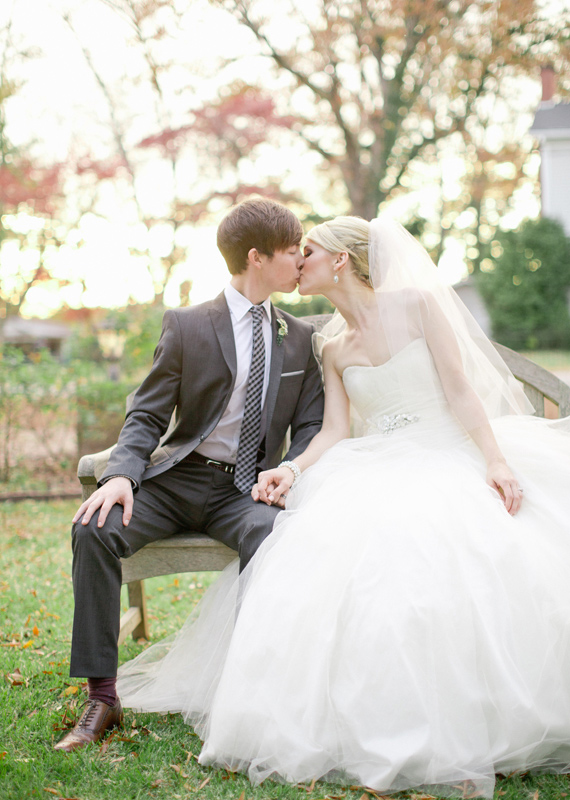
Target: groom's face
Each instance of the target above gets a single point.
(282, 270)
(318, 272)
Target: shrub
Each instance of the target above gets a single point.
(37, 406)
(101, 406)
(525, 283)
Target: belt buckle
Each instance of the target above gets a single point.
(220, 465)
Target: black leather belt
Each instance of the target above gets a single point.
(211, 462)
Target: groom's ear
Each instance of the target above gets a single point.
(255, 258)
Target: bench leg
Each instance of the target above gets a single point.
(135, 619)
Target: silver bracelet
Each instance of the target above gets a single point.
(294, 469)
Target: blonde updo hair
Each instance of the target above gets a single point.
(346, 235)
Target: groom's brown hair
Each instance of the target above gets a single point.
(264, 224)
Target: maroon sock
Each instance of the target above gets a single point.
(104, 689)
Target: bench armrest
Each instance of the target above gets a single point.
(90, 469)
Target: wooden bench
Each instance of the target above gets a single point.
(195, 552)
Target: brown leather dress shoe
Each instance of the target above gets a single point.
(97, 718)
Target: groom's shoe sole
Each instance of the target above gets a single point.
(96, 720)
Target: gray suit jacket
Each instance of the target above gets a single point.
(193, 374)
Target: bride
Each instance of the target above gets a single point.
(407, 624)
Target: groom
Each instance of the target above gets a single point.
(238, 373)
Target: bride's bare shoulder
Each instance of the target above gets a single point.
(333, 352)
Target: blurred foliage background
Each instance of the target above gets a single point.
(114, 166)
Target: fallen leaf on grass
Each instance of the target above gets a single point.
(312, 786)
(70, 716)
(116, 760)
(208, 779)
(28, 644)
(242, 796)
(535, 795)
(51, 791)
(16, 678)
(69, 691)
(3, 754)
(155, 784)
(35, 630)
(105, 746)
(178, 771)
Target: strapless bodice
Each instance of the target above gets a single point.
(403, 392)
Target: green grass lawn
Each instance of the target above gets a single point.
(553, 360)
(155, 756)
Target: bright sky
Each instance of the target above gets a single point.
(60, 107)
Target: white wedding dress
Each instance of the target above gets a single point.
(399, 628)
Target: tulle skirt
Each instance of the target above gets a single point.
(397, 629)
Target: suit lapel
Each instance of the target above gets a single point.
(277, 356)
(222, 323)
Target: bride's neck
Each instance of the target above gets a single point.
(357, 304)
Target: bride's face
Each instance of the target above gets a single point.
(317, 272)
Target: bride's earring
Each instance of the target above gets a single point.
(335, 279)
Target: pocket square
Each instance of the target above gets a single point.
(290, 374)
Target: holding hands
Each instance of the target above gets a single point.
(274, 484)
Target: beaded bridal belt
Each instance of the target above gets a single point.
(390, 422)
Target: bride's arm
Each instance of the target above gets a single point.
(273, 483)
(465, 403)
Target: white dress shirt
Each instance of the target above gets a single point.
(222, 443)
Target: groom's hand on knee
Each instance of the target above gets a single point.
(115, 490)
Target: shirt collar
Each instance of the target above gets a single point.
(240, 305)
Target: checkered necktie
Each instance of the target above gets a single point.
(246, 461)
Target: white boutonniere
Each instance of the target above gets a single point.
(282, 332)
